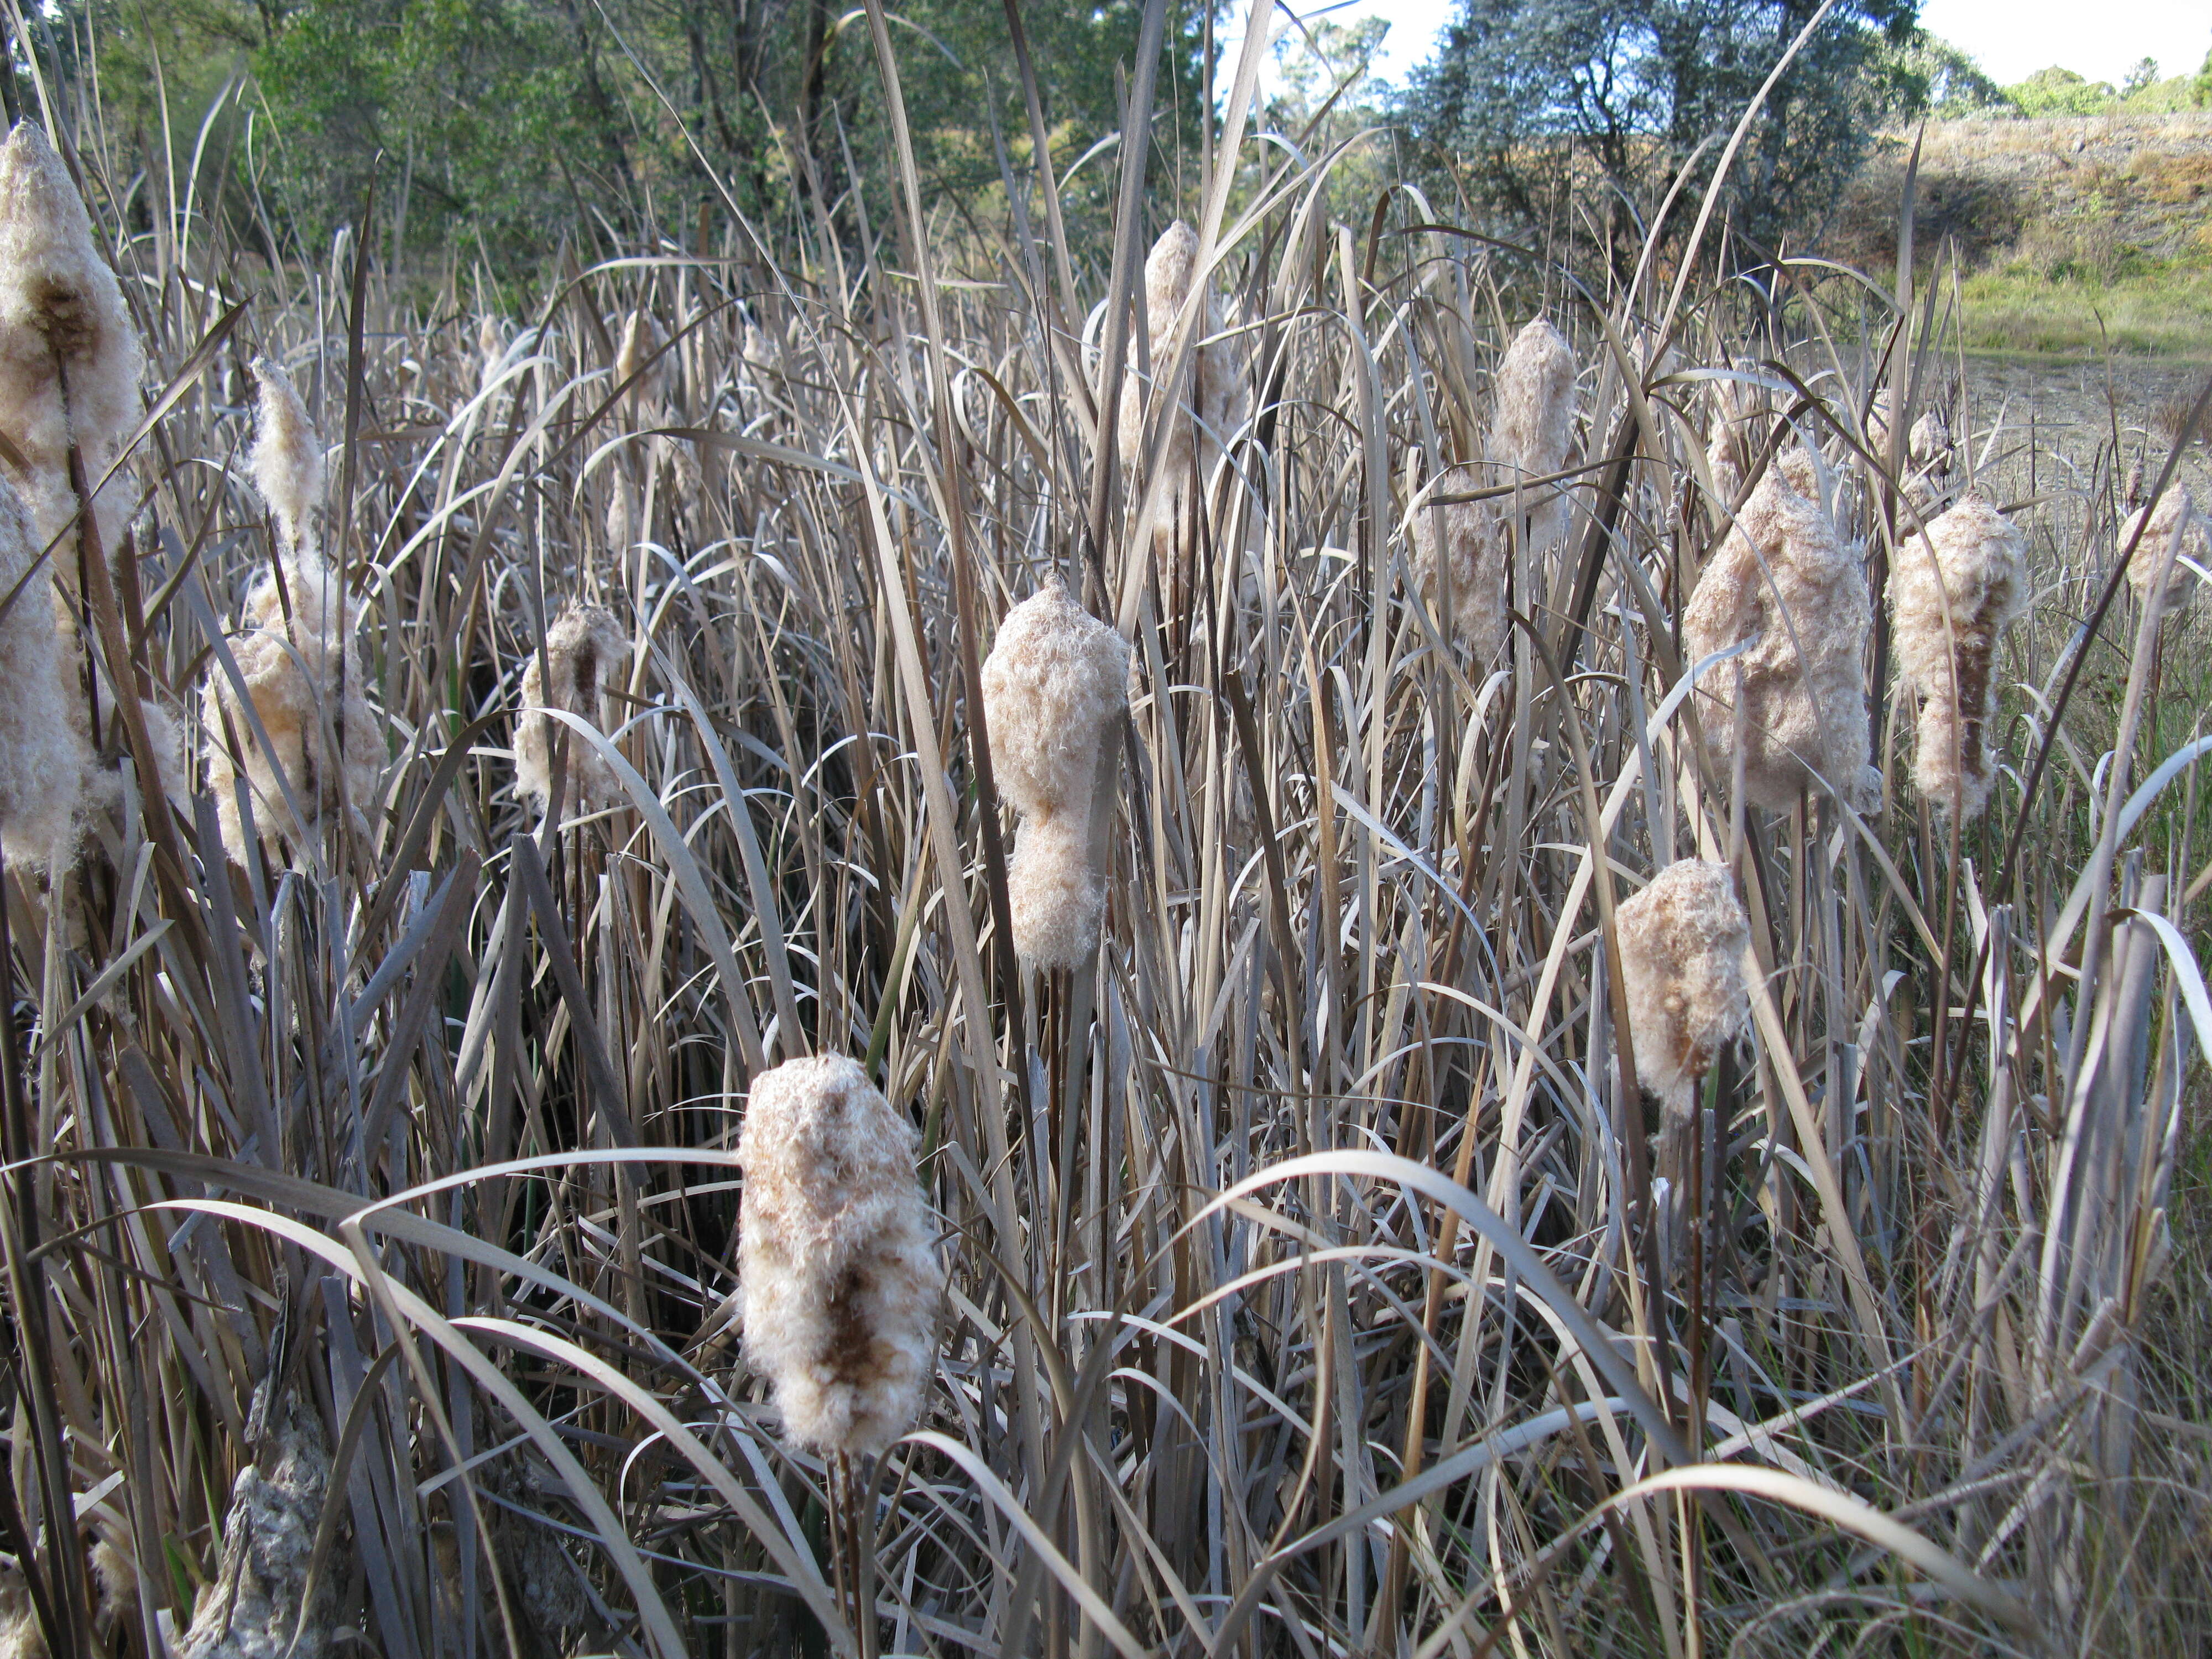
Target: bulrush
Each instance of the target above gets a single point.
(1531, 434)
(1055, 687)
(70, 360)
(1953, 592)
(287, 460)
(44, 757)
(1784, 579)
(584, 649)
(1682, 940)
(1925, 468)
(491, 351)
(255, 1604)
(1473, 537)
(1217, 393)
(296, 656)
(836, 1261)
(2173, 531)
(1729, 445)
(1532, 426)
(640, 362)
(70, 366)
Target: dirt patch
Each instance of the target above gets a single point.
(2068, 190)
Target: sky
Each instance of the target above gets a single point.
(2012, 37)
(2016, 38)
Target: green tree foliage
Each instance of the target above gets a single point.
(2057, 91)
(1534, 102)
(508, 126)
(1928, 74)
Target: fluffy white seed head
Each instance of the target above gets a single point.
(44, 754)
(1783, 578)
(303, 683)
(836, 1259)
(287, 457)
(491, 350)
(1953, 592)
(1055, 685)
(1682, 940)
(1055, 689)
(1058, 898)
(1219, 394)
(252, 1608)
(585, 650)
(1471, 540)
(1532, 425)
(2175, 516)
(642, 337)
(62, 318)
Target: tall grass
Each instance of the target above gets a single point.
(1305, 1288)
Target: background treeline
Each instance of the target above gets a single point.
(502, 129)
(500, 132)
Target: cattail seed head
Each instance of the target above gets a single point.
(1783, 578)
(61, 315)
(296, 655)
(2175, 516)
(642, 338)
(1475, 541)
(251, 1608)
(585, 650)
(286, 461)
(303, 683)
(836, 1259)
(1953, 592)
(1682, 940)
(1218, 395)
(1058, 898)
(44, 754)
(491, 350)
(1055, 687)
(1056, 680)
(1532, 425)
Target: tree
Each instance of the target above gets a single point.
(510, 125)
(2057, 91)
(1928, 74)
(1536, 102)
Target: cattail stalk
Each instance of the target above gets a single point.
(1055, 689)
(1953, 592)
(583, 650)
(1783, 579)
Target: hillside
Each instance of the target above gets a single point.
(2072, 233)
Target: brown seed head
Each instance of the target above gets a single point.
(1953, 592)
(1682, 940)
(1783, 577)
(287, 457)
(836, 1257)
(585, 650)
